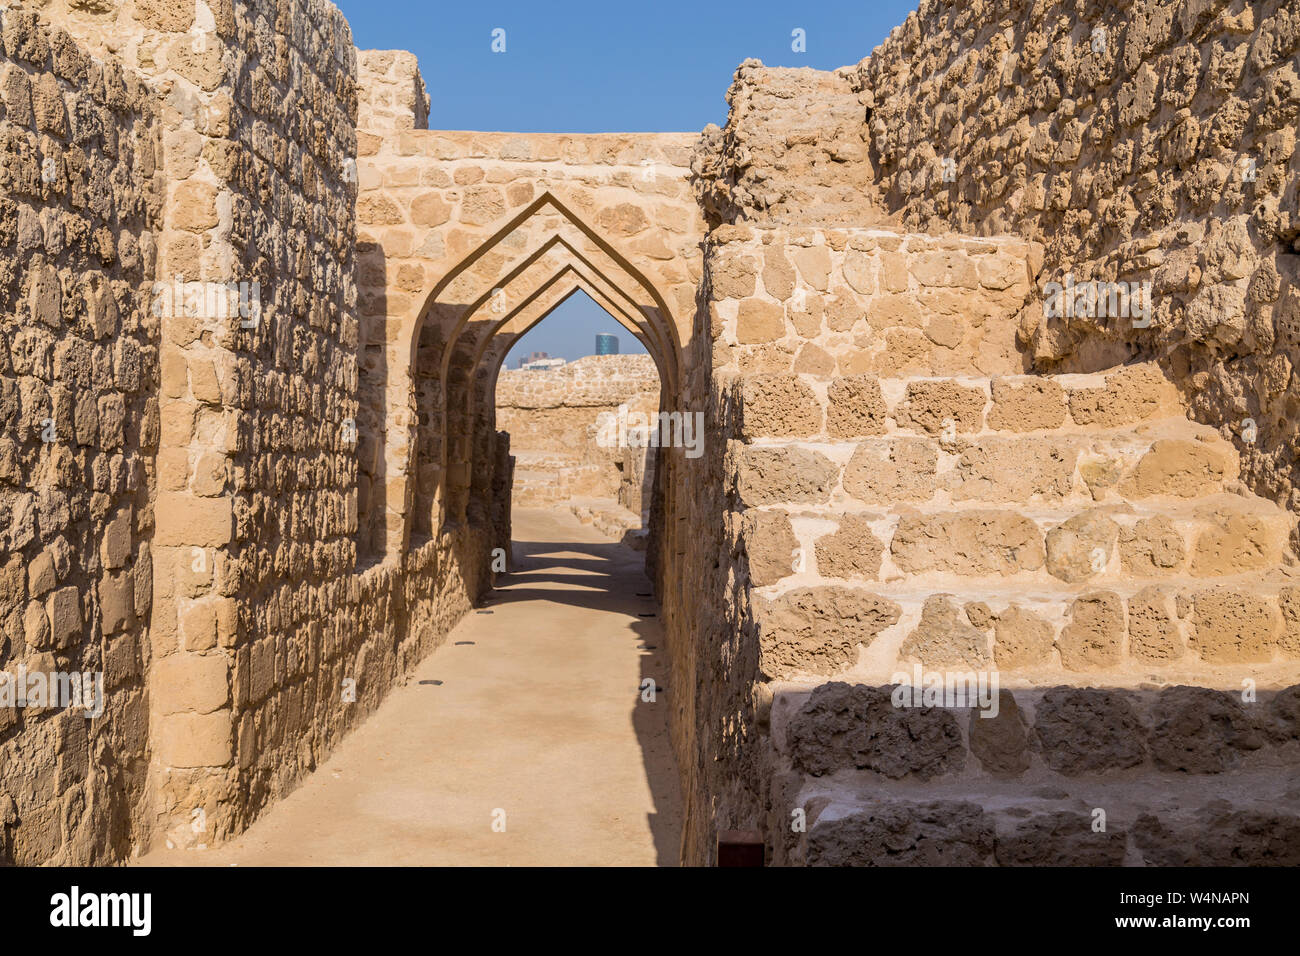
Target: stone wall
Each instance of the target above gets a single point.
(256, 510)
(794, 152)
(1150, 142)
(1061, 776)
(80, 210)
(826, 301)
(189, 528)
(553, 417)
(940, 509)
(391, 93)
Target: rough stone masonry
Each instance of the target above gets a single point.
(251, 468)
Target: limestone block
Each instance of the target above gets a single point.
(818, 630)
(770, 546)
(1199, 730)
(899, 833)
(968, 542)
(885, 472)
(1178, 468)
(194, 740)
(1022, 638)
(1151, 547)
(772, 475)
(116, 600)
(1023, 406)
(853, 551)
(1061, 838)
(190, 683)
(779, 406)
(183, 519)
(944, 639)
(852, 725)
(64, 609)
(1095, 635)
(1016, 470)
(1081, 547)
(936, 407)
(1133, 394)
(1085, 730)
(759, 321)
(855, 407)
(1231, 626)
(1153, 631)
(1001, 743)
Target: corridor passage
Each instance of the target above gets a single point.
(533, 709)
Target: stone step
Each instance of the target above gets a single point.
(1125, 632)
(1173, 459)
(939, 546)
(611, 519)
(1156, 464)
(788, 405)
(1060, 775)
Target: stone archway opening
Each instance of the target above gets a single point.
(457, 478)
(581, 433)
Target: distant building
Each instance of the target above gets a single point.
(530, 358)
(606, 344)
(536, 361)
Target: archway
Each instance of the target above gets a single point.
(494, 294)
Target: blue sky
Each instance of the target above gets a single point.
(586, 67)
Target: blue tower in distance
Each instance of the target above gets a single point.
(606, 344)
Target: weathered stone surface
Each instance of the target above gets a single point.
(184, 683)
(770, 544)
(939, 833)
(853, 725)
(1022, 406)
(1152, 546)
(779, 406)
(1232, 625)
(819, 629)
(1095, 635)
(1087, 731)
(1153, 631)
(855, 407)
(1081, 547)
(968, 542)
(1130, 395)
(759, 321)
(1062, 838)
(1178, 468)
(195, 740)
(1022, 638)
(1199, 730)
(904, 470)
(944, 638)
(1219, 836)
(1235, 544)
(1001, 744)
(1288, 600)
(853, 551)
(1013, 470)
(772, 475)
(941, 407)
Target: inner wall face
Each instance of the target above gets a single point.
(973, 494)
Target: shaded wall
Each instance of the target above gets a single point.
(80, 206)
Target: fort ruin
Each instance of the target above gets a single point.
(254, 521)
